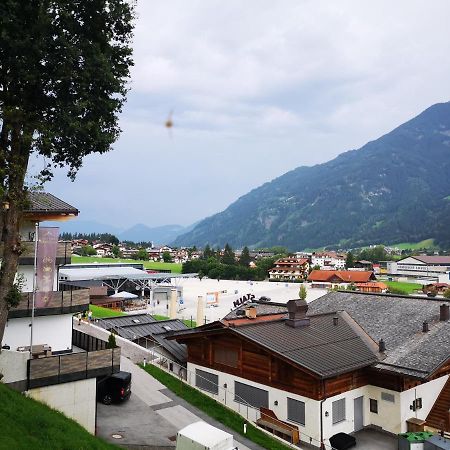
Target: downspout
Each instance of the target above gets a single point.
(322, 445)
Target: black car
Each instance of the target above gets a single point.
(114, 388)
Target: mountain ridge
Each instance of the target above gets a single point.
(376, 193)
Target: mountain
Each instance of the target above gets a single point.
(158, 235)
(87, 226)
(137, 233)
(393, 189)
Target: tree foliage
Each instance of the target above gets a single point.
(245, 259)
(302, 293)
(64, 67)
(228, 256)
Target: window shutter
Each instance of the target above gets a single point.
(296, 411)
(207, 381)
(243, 393)
(338, 410)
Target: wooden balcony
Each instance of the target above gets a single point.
(50, 370)
(63, 253)
(61, 302)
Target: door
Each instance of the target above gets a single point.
(358, 411)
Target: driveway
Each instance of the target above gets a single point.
(152, 416)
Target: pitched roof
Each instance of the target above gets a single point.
(433, 259)
(45, 203)
(321, 347)
(262, 309)
(346, 276)
(398, 321)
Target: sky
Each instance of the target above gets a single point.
(257, 88)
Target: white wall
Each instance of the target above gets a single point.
(76, 400)
(55, 331)
(428, 392)
(13, 366)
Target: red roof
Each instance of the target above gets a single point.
(343, 276)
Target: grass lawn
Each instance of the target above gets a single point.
(98, 312)
(214, 409)
(173, 267)
(188, 322)
(409, 288)
(427, 243)
(28, 424)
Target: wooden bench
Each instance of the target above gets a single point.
(270, 422)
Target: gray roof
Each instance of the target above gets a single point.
(398, 321)
(321, 347)
(433, 259)
(262, 309)
(126, 327)
(43, 202)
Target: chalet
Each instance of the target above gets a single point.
(44, 356)
(372, 286)
(363, 265)
(289, 269)
(335, 278)
(349, 361)
(103, 249)
(435, 288)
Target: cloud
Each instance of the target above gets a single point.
(258, 88)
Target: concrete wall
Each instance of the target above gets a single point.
(76, 400)
(13, 367)
(55, 331)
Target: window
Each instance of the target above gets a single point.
(373, 406)
(338, 410)
(243, 393)
(387, 397)
(226, 356)
(296, 411)
(207, 381)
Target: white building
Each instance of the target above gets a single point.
(435, 268)
(328, 261)
(62, 367)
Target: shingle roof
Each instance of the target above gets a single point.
(321, 347)
(43, 202)
(398, 321)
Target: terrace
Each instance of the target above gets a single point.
(60, 302)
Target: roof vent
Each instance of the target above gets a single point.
(297, 310)
(444, 315)
(381, 346)
(425, 327)
(335, 321)
(136, 320)
(167, 328)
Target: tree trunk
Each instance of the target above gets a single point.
(15, 149)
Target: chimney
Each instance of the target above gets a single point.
(297, 313)
(425, 327)
(381, 346)
(444, 315)
(335, 321)
(250, 312)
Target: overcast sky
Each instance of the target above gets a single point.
(257, 88)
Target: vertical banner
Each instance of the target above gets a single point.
(46, 265)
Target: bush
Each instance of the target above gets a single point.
(447, 293)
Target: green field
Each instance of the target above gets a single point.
(173, 267)
(408, 288)
(214, 409)
(28, 424)
(98, 312)
(427, 243)
(188, 322)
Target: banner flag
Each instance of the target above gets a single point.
(46, 265)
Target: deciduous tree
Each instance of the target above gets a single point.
(64, 66)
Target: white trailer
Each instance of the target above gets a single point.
(202, 436)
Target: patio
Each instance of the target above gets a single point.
(370, 439)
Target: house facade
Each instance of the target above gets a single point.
(61, 366)
(329, 279)
(289, 269)
(326, 370)
(328, 260)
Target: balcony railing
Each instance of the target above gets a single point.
(63, 253)
(61, 302)
(68, 367)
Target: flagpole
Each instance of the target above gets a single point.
(36, 239)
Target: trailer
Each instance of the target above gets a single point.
(202, 436)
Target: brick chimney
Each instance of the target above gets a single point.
(250, 312)
(444, 315)
(297, 310)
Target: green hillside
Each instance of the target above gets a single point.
(28, 424)
(393, 189)
(425, 244)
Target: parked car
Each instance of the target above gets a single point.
(114, 388)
